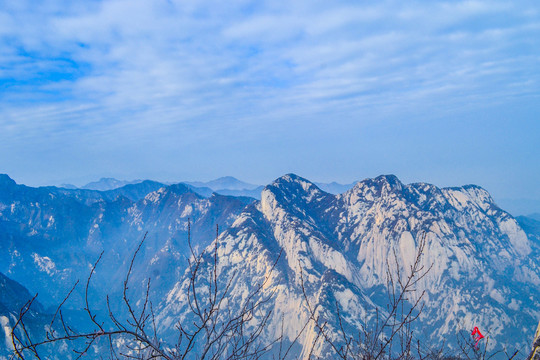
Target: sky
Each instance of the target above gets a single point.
(445, 92)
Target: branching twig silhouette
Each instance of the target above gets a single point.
(215, 331)
(391, 335)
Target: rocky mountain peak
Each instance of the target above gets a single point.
(293, 193)
(292, 185)
(171, 193)
(391, 181)
(380, 186)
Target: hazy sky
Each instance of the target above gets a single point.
(434, 91)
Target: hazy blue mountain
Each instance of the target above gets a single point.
(68, 186)
(334, 187)
(135, 191)
(203, 191)
(253, 193)
(224, 183)
(227, 185)
(105, 184)
(50, 237)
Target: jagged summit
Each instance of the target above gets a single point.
(389, 179)
(172, 194)
(380, 186)
(421, 193)
(290, 181)
(291, 191)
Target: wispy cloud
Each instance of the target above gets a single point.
(116, 71)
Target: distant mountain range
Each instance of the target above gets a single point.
(229, 185)
(102, 184)
(227, 182)
(105, 184)
(485, 262)
(226, 185)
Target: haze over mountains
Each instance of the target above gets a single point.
(485, 262)
(229, 185)
(226, 185)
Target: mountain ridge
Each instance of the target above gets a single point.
(337, 246)
(478, 253)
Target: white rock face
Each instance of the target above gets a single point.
(482, 263)
(4, 323)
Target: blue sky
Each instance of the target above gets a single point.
(446, 92)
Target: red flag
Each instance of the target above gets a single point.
(478, 336)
